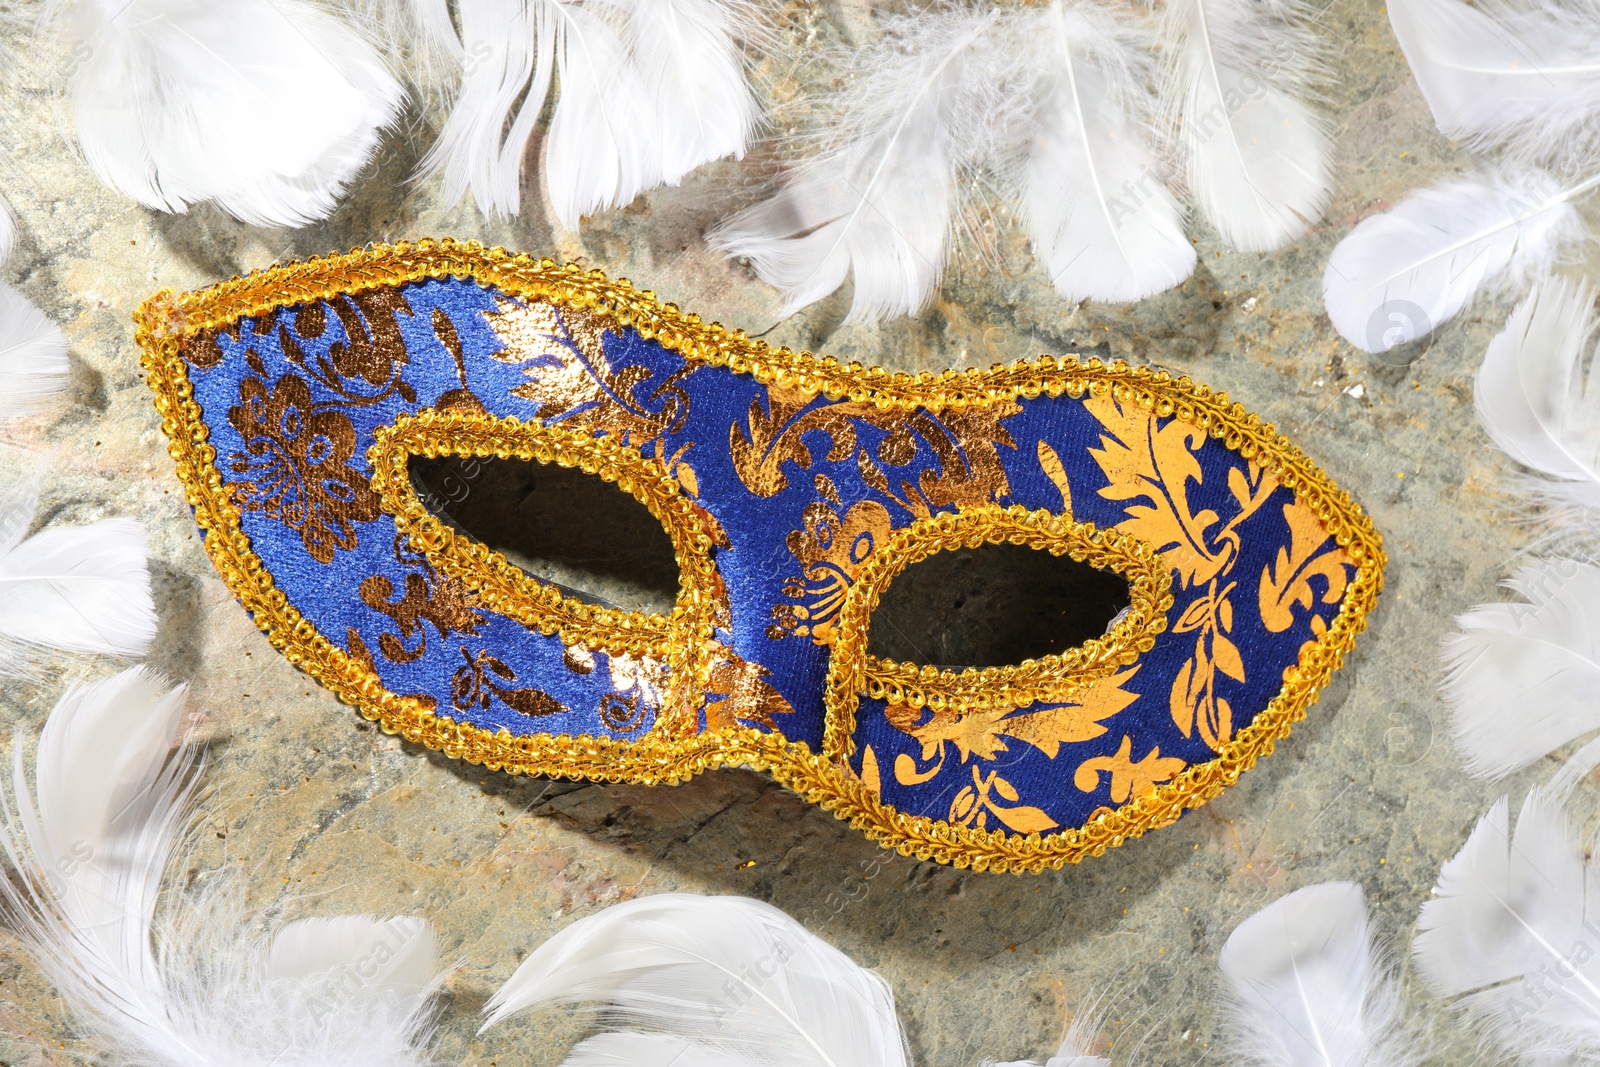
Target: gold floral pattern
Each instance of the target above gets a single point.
(1150, 469)
(981, 732)
(562, 353)
(989, 794)
(486, 677)
(830, 550)
(1128, 779)
(1286, 584)
(295, 467)
(965, 444)
(1194, 702)
(446, 603)
(739, 693)
(373, 347)
(637, 684)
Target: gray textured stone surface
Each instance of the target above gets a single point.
(322, 813)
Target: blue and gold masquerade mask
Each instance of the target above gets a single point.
(794, 490)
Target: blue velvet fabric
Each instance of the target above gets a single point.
(802, 494)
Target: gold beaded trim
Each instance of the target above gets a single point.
(166, 319)
(1050, 678)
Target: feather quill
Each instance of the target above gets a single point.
(649, 90)
(1307, 986)
(90, 840)
(1520, 678)
(33, 357)
(1539, 399)
(1514, 932)
(78, 589)
(878, 202)
(1523, 75)
(1101, 218)
(1398, 275)
(1256, 154)
(268, 107)
(724, 980)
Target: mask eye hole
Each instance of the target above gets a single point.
(991, 606)
(559, 525)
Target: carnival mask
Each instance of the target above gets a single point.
(794, 490)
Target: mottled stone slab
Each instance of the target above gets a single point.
(322, 813)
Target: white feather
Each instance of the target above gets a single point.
(400, 951)
(8, 230)
(688, 60)
(602, 149)
(1256, 154)
(1398, 275)
(1514, 930)
(268, 107)
(649, 90)
(69, 588)
(1074, 1048)
(1307, 988)
(878, 202)
(505, 51)
(1101, 218)
(90, 842)
(735, 976)
(649, 1050)
(1524, 75)
(1520, 678)
(33, 356)
(1539, 399)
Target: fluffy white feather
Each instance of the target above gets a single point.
(1074, 1048)
(69, 588)
(1307, 987)
(648, 91)
(735, 980)
(33, 356)
(1524, 75)
(268, 107)
(878, 202)
(1100, 215)
(1520, 678)
(1514, 930)
(90, 841)
(1256, 154)
(1539, 400)
(1398, 275)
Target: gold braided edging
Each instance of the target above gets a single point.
(165, 320)
(1050, 678)
(683, 640)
